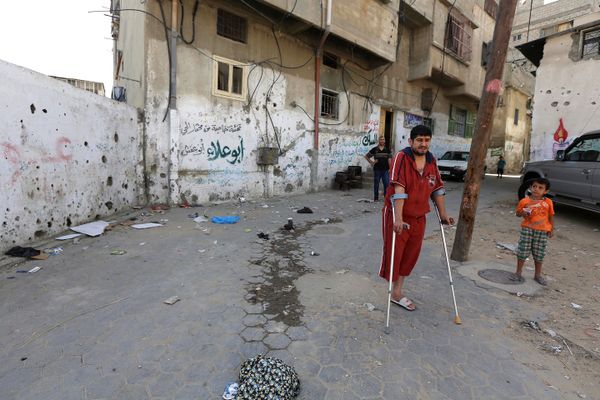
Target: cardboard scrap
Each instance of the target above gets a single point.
(95, 228)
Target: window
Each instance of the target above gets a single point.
(585, 150)
(486, 48)
(516, 37)
(461, 123)
(231, 26)
(229, 78)
(331, 60)
(329, 104)
(591, 43)
(491, 7)
(458, 36)
(516, 118)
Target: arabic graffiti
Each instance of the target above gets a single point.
(20, 164)
(371, 129)
(215, 151)
(188, 128)
(193, 149)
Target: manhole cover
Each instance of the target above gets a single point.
(498, 276)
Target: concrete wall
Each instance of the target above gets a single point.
(563, 90)
(184, 154)
(67, 156)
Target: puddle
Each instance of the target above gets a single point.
(282, 263)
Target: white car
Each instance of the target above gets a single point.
(453, 164)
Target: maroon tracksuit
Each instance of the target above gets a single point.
(419, 188)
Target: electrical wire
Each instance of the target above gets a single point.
(443, 58)
(196, 6)
(164, 22)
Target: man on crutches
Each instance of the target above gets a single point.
(414, 179)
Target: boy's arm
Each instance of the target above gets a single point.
(551, 220)
(519, 211)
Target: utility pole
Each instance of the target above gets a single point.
(483, 129)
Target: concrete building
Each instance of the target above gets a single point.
(253, 112)
(567, 96)
(511, 130)
(94, 87)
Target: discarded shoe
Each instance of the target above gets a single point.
(262, 235)
(305, 210)
(289, 226)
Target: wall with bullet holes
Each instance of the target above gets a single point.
(67, 156)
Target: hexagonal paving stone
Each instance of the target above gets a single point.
(366, 385)
(254, 320)
(253, 334)
(275, 327)
(277, 341)
(297, 332)
(253, 308)
(164, 386)
(333, 374)
(151, 353)
(454, 388)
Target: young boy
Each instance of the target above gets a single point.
(500, 168)
(537, 226)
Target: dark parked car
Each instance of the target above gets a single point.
(574, 174)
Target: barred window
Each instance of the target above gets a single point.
(591, 43)
(329, 104)
(458, 36)
(231, 26)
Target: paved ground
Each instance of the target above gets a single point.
(91, 325)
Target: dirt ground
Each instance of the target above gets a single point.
(572, 268)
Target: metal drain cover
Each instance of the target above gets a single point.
(498, 276)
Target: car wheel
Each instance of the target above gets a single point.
(524, 189)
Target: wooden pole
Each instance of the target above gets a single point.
(483, 129)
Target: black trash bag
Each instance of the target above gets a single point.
(267, 378)
(26, 252)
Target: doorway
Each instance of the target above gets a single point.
(386, 126)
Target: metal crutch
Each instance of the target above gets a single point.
(392, 199)
(457, 319)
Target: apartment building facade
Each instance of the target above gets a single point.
(261, 98)
(567, 97)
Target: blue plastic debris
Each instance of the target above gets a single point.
(228, 219)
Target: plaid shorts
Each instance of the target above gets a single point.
(532, 242)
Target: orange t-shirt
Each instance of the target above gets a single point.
(540, 211)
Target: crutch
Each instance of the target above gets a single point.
(457, 319)
(387, 318)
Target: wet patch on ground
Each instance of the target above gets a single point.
(282, 263)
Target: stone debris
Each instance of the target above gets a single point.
(172, 300)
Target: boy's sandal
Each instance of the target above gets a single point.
(541, 280)
(404, 303)
(516, 278)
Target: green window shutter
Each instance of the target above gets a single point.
(470, 124)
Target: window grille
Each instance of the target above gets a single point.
(458, 36)
(591, 43)
(231, 26)
(329, 104)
